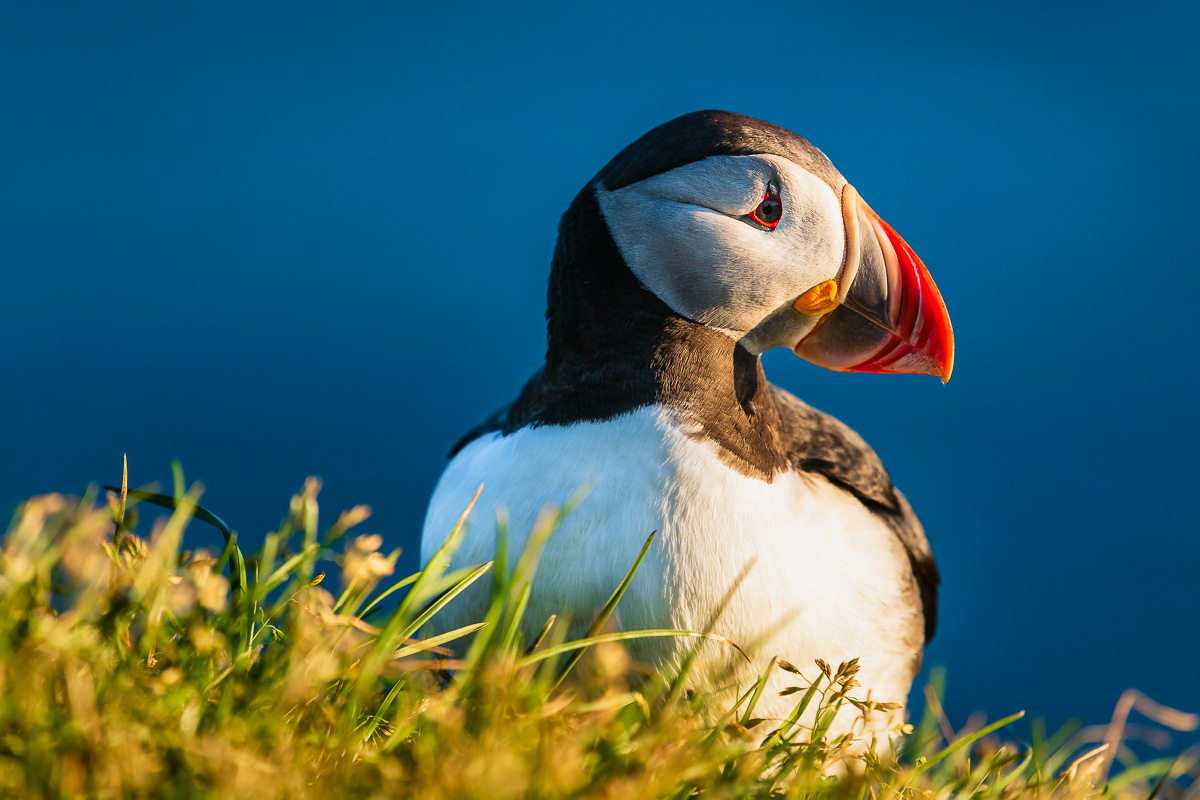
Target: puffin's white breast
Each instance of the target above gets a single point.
(824, 577)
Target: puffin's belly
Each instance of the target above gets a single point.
(823, 577)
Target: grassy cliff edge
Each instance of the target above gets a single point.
(134, 666)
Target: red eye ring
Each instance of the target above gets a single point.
(769, 211)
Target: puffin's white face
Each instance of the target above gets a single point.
(767, 252)
(690, 237)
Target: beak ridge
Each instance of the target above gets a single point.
(892, 317)
(923, 339)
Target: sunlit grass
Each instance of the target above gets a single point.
(134, 665)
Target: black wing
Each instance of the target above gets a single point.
(816, 442)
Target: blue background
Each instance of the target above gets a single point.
(274, 240)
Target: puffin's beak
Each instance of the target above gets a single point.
(883, 313)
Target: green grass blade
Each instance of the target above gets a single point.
(438, 564)
(400, 625)
(967, 740)
(624, 636)
(518, 614)
(759, 686)
(679, 682)
(482, 643)
(120, 516)
(723, 720)
(425, 645)
(177, 475)
(263, 587)
(440, 603)
(395, 587)
(793, 719)
(1158, 769)
(927, 731)
(541, 635)
(500, 576)
(386, 704)
(608, 609)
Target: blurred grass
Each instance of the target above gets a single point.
(130, 666)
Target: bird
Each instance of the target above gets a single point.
(706, 242)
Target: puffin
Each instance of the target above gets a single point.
(706, 242)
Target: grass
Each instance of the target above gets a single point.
(133, 666)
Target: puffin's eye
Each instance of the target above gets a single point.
(770, 210)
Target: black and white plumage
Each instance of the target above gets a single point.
(709, 240)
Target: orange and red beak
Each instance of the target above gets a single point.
(883, 313)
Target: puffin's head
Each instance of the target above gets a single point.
(746, 227)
